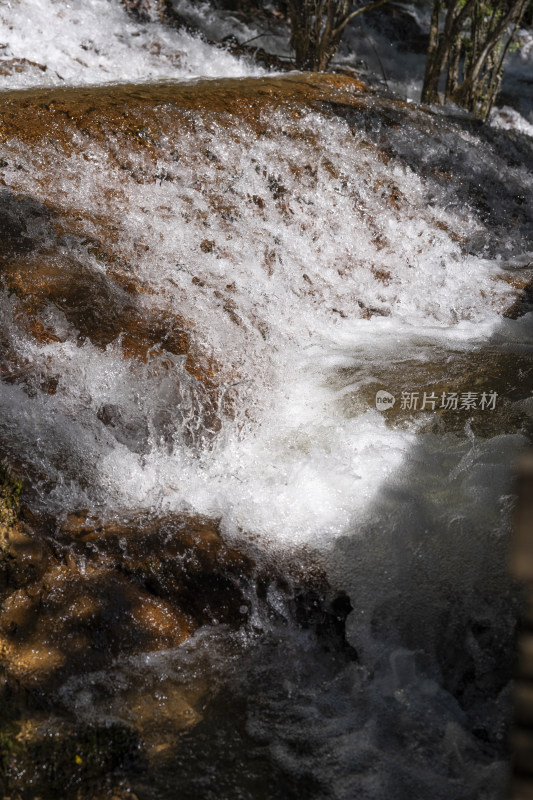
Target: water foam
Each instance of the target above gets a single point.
(320, 253)
(47, 43)
(310, 253)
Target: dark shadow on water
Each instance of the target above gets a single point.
(427, 570)
(422, 706)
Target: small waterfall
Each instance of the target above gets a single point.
(248, 575)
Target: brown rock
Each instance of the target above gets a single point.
(10, 66)
(125, 586)
(81, 621)
(71, 272)
(180, 558)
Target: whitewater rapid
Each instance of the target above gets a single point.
(316, 255)
(47, 43)
(339, 258)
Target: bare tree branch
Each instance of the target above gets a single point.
(356, 13)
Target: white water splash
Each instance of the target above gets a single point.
(318, 233)
(295, 257)
(508, 119)
(50, 43)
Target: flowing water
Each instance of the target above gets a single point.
(205, 285)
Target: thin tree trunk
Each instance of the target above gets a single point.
(346, 18)
(317, 27)
(466, 91)
(429, 87)
(453, 25)
(496, 78)
(452, 78)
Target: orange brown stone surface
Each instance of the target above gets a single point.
(98, 590)
(57, 251)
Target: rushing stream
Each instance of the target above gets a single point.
(206, 285)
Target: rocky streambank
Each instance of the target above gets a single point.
(80, 597)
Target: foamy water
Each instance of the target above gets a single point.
(306, 262)
(47, 43)
(338, 236)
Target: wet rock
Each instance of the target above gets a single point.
(148, 10)
(67, 761)
(155, 11)
(10, 489)
(23, 557)
(115, 115)
(91, 591)
(161, 714)
(10, 66)
(71, 621)
(104, 591)
(74, 276)
(61, 296)
(327, 616)
(86, 594)
(446, 379)
(523, 304)
(130, 586)
(183, 559)
(112, 591)
(98, 307)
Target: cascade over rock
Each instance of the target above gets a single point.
(203, 287)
